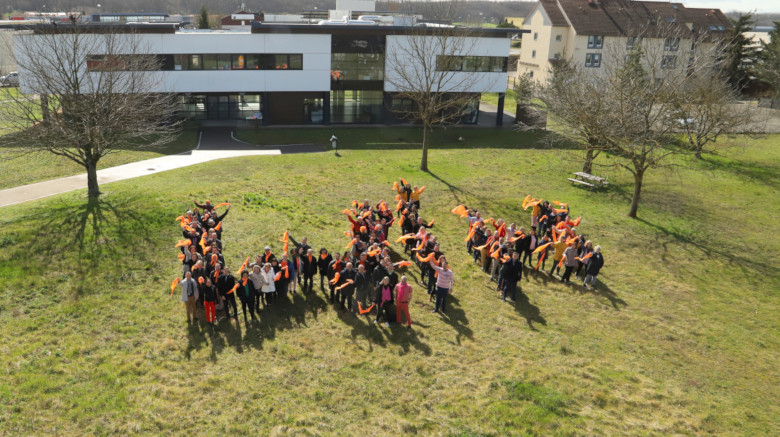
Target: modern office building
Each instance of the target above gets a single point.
(298, 74)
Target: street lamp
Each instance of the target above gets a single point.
(334, 143)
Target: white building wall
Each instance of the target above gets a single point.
(472, 46)
(315, 75)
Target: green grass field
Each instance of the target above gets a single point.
(19, 168)
(680, 337)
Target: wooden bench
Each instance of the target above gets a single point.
(589, 180)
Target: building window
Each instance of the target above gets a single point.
(632, 42)
(595, 42)
(668, 61)
(536, 36)
(533, 54)
(478, 64)
(531, 74)
(357, 66)
(593, 60)
(558, 38)
(671, 44)
(355, 106)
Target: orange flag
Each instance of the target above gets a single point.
(278, 276)
(560, 204)
(349, 281)
(335, 278)
(174, 284)
(367, 310)
(200, 280)
(560, 263)
(541, 258)
(404, 182)
(188, 229)
(179, 219)
(395, 185)
(525, 201)
(386, 243)
(403, 238)
(218, 227)
(235, 287)
(584, 257)
(519, 237)
(374, 252)
(576, 222)
(400, 264)
(431, 223)
(183, 243)
(541, 248)
(471, 233)
(181, 257)
(221, 204)
(461, 211)
(286, 240)
(351, 243)
(426, 259)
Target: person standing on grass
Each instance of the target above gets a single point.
(511, 272)
(268, 282)
(445, 281)
(362, 286)
(225, 284)
(403, 292)
(308, 270)
(384, 299)
(348, 288)
(189, 294)
(322, 264)
(258, 280)
(570, 262)
(595, 263)
(246, 294)
(558, 247)
(209, 300)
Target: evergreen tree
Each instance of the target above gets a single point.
(203, 19)
(768, 66)
(739, 59)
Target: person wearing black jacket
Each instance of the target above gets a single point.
(511, 272)
(322, 264)
(531, 242)
(362, 287)
(308, 270)
(334, 267)
(246, 294)
(384, 300)
(348, 288)
(225, 284)
(595, 263)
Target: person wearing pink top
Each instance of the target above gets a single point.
(403, 292)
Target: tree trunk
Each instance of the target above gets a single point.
(638, 176)
(588, 166)
(92, 182)
(698, 152)
(44, 107)
(424, 161)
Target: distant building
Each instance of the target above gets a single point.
(580, 30)
(240, 20)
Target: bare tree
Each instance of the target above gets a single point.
(627, 105)
(429, 66)
(86, 93)
(708, 108)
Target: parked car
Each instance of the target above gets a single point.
(11, 79)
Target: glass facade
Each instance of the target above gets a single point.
(357, 66)
(480, 64)
(355, 106)
(227, 61)
(220, 106)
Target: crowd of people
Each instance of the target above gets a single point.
(505, 251)
(362, 279)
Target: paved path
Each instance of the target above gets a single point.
(214, 143)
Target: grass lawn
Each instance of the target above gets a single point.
(17, 168)
(682, 335)
(395, 138)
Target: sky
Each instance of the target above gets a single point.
(760, 6)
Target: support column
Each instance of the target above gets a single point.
(326, 107)
(500, 110)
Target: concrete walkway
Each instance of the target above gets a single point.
(213, 144)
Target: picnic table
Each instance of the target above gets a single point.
(589, 180)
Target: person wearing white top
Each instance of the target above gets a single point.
(268, 281)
